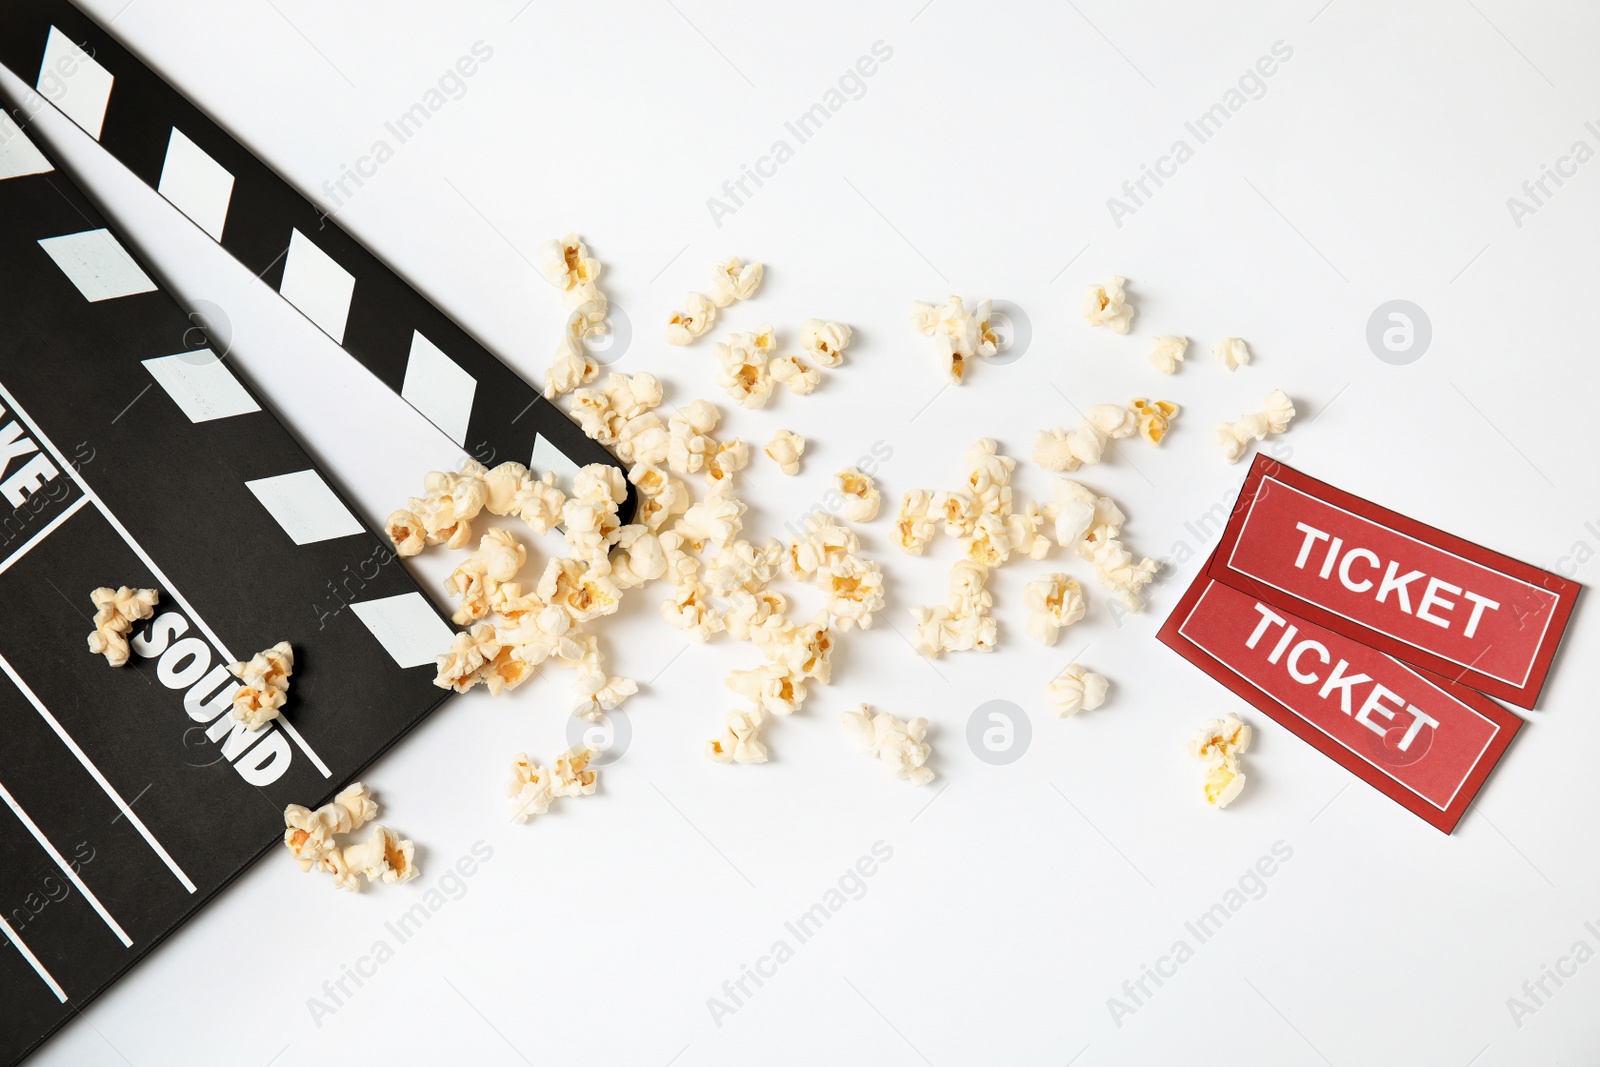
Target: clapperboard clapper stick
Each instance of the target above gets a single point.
(321, 269)
(128, 797)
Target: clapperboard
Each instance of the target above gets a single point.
(129, 797)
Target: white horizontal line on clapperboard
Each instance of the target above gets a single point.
(33, 961)
(160, 575)
(66, 868)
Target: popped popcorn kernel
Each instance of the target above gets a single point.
(740, 739)
(1054, 601)
(385, 855)
(1061, 450)
(825, 341)
(854, 587)
(772, 688)
(1107, 305)
(897, 744)
(464, 664)
(266, 685)
(1155, 417)
(570, 368)
(1168, 352)
(961, 335)
(570, 775)
(1218, 745)
(785, 449)
(744, 369)
(795, 374)
(1077, 689)
(529, 789)
(716, 520)
(1232, 352)
(860, 495)
(699, 314)
(733, 280)
(115, 612)
(569, 267)
(405, 530)
(1274, 418)
(914, 527)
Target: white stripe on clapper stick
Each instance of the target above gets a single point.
(94, 772)
(166, 583)
(33, 961)
(66, 868)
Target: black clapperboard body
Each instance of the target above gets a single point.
(129, 796)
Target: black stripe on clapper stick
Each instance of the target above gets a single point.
(508, 416)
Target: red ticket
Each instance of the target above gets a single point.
(1426, 742)
(1417, 593)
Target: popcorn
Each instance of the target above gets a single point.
(598, 694)
(692, 323)
(571, 367)
(310, 838)
(733, 280)
(570, 268)
(961, 335)
(854, 587)
(266, 685)
(785, 449)
(1115, 569)
(914, 527)
(716, 519)
(637, 557)
(529, 789)
(963, 623)
(1168, 352)
(741, 566)
(501, 486)
(579, 588)
(1106, 305)
(896, 743)
(723, 460)
(497, 560)
(796, 374)
(1232, 352)
(539, 502)
(1077, 689)
(740, 740)
(860, 495)
(464, 665)
(751, 610)
(825, 341)
(688, 436)
(803, 649)
(744, 373)
(115, 612)
(690, 608)
(823, 542)
(1218, 745)
(570, 775)
(661, 496)
(1054, 601)
(772, 688)
(1274, 418)
(405, 530)
(1155, 417)
(1059, 450)
(384, 855)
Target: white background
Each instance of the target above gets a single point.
(1376, 165)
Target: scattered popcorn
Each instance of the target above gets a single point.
(661, 496)
(740, 740)
(794, 373)
(860, 495)
(689, 438)
(571, 367)
(692, 323)
(266, 685)
(963, 623)
(1235, 437)
(825, 341)
(824, 541)
(444, 516)
(734, 280)
(1218, 745)
(1106, 305)
(745, 373)
(1091, 526)
(914, 527)
(896, 743)
(532, 787)
(855, 591)
(785, 449)
(1168, 352)
(961, 335)
(1232, 352)
(384, 855)
(466, 663)
(723, 460)
(1155, 417)
(771, 687)
(717, 519)
(475, 580)
(1077, 689)
(570, 268)
(1060, 450)
(115, 612)
(1054, 601)
(310, 838)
